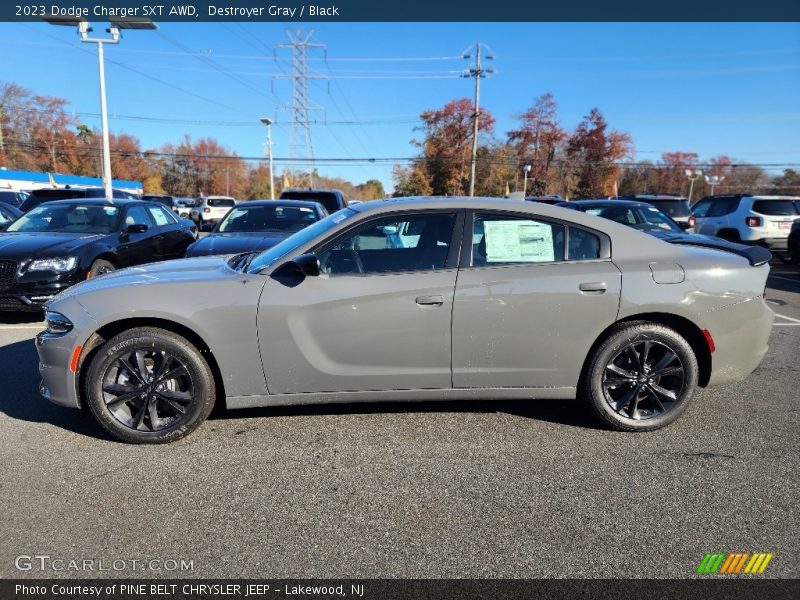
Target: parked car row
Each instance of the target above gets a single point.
(60, 243)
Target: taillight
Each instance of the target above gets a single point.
(753, 221)
(206, 210)
(692, 221)
(175, 208)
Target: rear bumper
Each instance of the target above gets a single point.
(741, 335)
(773, 244)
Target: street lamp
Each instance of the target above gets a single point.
(692, 175)
(84, 29)
(714, 181)
(268, 122)
(526, 169)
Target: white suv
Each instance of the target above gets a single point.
(208, 210)
(746, 219)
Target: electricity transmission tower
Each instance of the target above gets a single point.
(300, 146)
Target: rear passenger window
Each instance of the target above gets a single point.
(775, 207)
(723, 206)
(583, 245)
(158, 216)
(508, 240)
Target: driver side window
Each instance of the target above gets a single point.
(418, 242)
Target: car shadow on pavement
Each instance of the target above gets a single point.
(19, 318)
(560, 412)
(20, 398)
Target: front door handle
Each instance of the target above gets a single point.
(593, 287)
(430, 300)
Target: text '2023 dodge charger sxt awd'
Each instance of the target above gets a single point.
(413, 299)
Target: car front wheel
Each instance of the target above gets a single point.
(641, 377)
(149, 386)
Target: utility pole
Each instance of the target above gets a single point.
(477, 72)
(300, 145)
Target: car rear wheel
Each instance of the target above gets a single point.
(640, 378)
(149, 386)
(100, 267)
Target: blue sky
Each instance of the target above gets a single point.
(697, 87)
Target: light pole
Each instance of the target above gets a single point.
(692, 175)
(714, 181)
(268, 122)
(84, 29)
(526, 169)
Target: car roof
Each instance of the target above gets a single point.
(604, 203)
(279, 202)
(99, 202)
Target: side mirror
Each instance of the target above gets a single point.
(308, 264)
(136, 228)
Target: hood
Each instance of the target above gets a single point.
(172, 271)
(755, 254)
(235, 243)
(16, 245)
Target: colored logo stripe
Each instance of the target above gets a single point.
(734, 563)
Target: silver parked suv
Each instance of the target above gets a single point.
(747, 219)
(211, 209)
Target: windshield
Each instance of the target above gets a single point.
(302, 237)
(674, 208)
(221, 202)
(267, 218)
(68, 218)
(327, 199)
(641, 218)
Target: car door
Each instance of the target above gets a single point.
(174, 240)
(139, 248)
(532, 297)
(377, 317)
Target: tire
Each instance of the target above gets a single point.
(640, 401)
(131, 362)
(100, 267)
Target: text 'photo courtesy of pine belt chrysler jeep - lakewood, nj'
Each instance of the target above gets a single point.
(413, 299)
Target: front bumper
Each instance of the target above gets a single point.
(59, 383)
(31, 291)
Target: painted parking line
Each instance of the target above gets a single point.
(792, 321)
(40, 327)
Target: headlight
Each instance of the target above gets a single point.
(57, 324)
(58, 265)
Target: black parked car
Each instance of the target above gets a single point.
(332, 200)
(36, 197)
(257, 225)
(61, 243)
(13, 197)
(647, 218)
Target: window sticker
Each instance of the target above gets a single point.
(110, 210)
(518, 241)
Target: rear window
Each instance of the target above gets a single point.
(221, 202)
(674, 208)
(776, 207)
(327, 199)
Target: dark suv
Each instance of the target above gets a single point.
(36, 197)
(332, 200)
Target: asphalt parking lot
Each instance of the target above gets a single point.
(503, 489)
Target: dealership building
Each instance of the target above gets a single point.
(31, 180)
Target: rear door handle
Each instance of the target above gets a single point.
(430, 300)
(593, 287)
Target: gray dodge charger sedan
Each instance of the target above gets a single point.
(413, 299)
